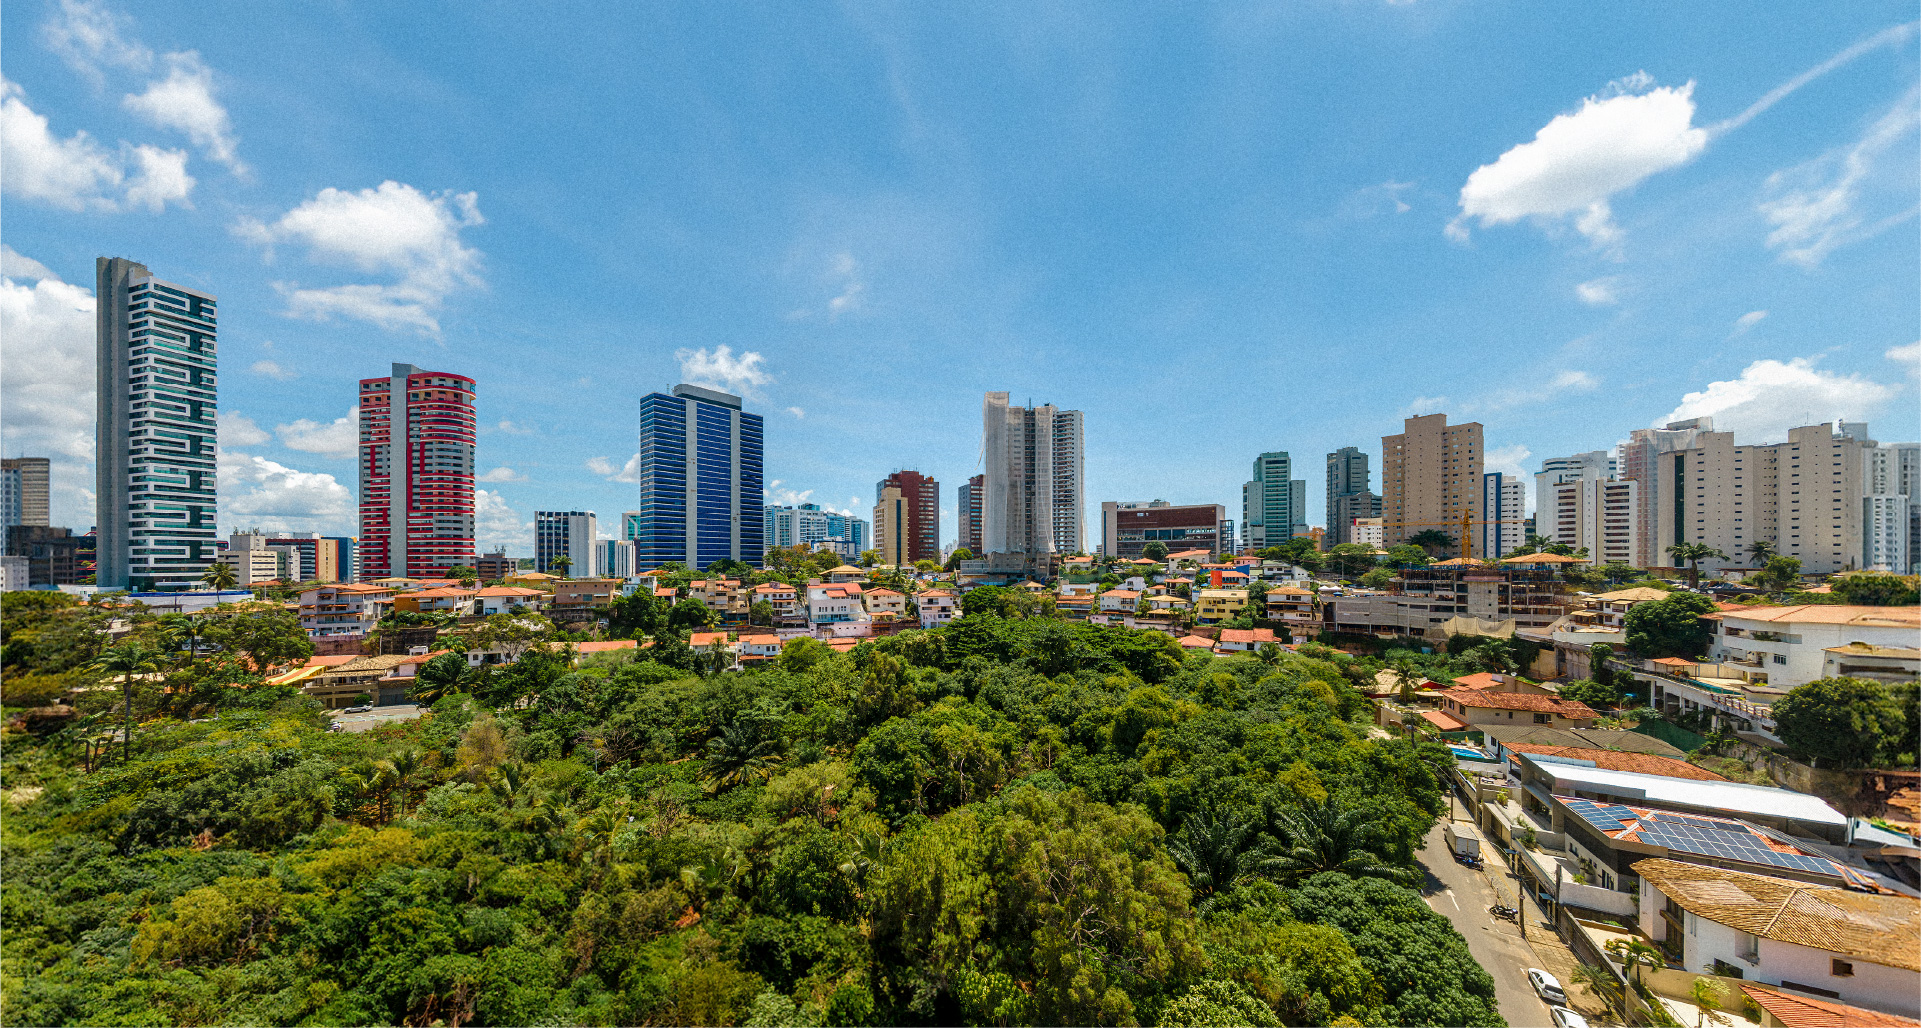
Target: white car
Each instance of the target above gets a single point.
(363, 709)
(1565, 1018)
(1547, 986)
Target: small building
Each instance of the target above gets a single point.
(578, 593)
(1794, 645)
(537, 579)
(885, 601)
(445, 599)
(723, 596)
(1291, 605)
(1887, 664)
(846, 573)
(1213, 606)
(1781, 1009)
(343, 609)
(785, 599)
(501, 599)
(1862, 949)
(835, 603)
(1244, 640)
(703, 642)
(1477, 707)
(937, 607)
(1119, 601)
(759, 649)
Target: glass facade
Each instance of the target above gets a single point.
(700, 480)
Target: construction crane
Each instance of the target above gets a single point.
(1465, 521)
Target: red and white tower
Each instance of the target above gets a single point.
(417, 499)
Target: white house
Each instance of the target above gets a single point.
(1860, 948)
(1790, 644)
(936, 607)
(838, 602)
(497, 599)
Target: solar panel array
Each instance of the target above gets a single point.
(1700, 836)
(1608, 817)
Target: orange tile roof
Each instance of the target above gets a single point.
(1834, 614)
(1519, 701)
(1443, 720)
(604, 646)
(1248, 635)
(1541, 558)
(1483, 680)
(1122, 594)
(442, 592)
(882, 592)
(1808, 1012)
(1197, 642)
(760, 640)
(842, 645)
(1611, 760)
(938, 592)
(699, 639)
(508, 590)
(774, 587)
(665, 591)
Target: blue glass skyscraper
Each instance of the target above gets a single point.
(700, 480)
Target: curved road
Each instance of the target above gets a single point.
(1462, 895)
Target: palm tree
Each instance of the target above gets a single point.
(128, 661)
(1761, 550)
(219, 576)
(1635, 954)
(738, 755)
(1707, 995)
(1212, 849)
(406, 764)
(561, 564)
(1693, 554)
(441, 677)
(1327, 835)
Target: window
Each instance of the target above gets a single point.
(1543, 719)
(1842, 969)
(1780, 658)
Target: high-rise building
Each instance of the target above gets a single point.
(1803, 497)
(1273, 502)
(572, 534)
(416, 505)
(24, 491)
(312, 557)
(809, 525)
(1891, 512)
(700, 480)
(614, 558)
(1350, 494)
(1639, 457)
(916, 508)
(1596, 465)
(1128, 526)
(1503, 515)
(1593, 514)
(968, 509)
(155, 436)
(630, 525)
(1032, 489)
(1430, 476)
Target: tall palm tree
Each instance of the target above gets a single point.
(1598, 981)
(1693, 554)
(406, 764)
(219, 576)
(1327, 835)
(1635, 954)
(738, 755)
(128, 661)
(561, 564)
(1213, 849)
(1760, 550)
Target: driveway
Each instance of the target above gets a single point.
(377, 717)
(1462, 895)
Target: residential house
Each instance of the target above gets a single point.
(1075, 607)
(835, 603)
(723, 596)
(1778, 1009)
(1119, 601)
(760, 649)
(785, 599)
(1475, 707)
(844, 574)
(1213, 606)
(576, 593)
(1792, 644)
(937, 607)
(704, 642)
(1886, 664)
(343, 609)
(499, 599)
(429, 601)
(885, 603)
(1863, 949)
(1190, 643)
(1291, 605)
(387, 679)
(537, 579)
(1244, 640)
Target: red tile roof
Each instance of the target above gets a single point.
(1611, 760)
(699, 639)
(1519, 701)
(1197, 642)
(1808, 1012)
(1248, 635)
(1484, 680)
(1443, 720)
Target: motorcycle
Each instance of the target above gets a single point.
(1466, 860)
(1505, 913)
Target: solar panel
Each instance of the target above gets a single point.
(1699, 822)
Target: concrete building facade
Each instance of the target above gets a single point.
(1503, 515)
(417, 436)
(1803, 496)
(156, 435)
(1599, 465)
(907, 503)
(1032, 494)
(1273, 502)
(700, 480)
(1639, 463)
(1596, 515)
(572, 534)
(1349, 494)
(25, 491)
(808, 524)
(1128, 526)
(1430, 473)
(968, 512)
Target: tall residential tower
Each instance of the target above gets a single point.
(1430, 476)
(907, 518)
(1349, 494)
(1032, 494)
(1273, 502)
(25, 491)
(416, 504)
(155, 439)
(700, 480)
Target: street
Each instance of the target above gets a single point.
(376, 717)
(1462, 895)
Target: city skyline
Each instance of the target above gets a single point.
(1403, 233)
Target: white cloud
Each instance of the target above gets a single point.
(513, 429)
(1371, 201)
(1509, 460)
(1885, 37)
(77, 173)
(238, 430)
(720, 369)
(629, 472)
(501, 474)
(846, 272)
(778, 495)
(393, 229)
(257, 492)
(1421, 405)
(1578, 162)
(497, 527)
(337, 439)
(49, 400)
(797, 412)
(1772, 396)
(89, 38)
(1745, 322)
(184, 102)
(1909, 355)
(1573, 380)
(1847, 194)
(1601, 291)
(21, 268)
(273, 370)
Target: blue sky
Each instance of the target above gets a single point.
(1215, 229)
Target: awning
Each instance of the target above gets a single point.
(298, 675)
(1442, 720)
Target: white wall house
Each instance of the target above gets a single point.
(1790, 643)
(936, 608)
(1863, 949)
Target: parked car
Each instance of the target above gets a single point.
(1565, 1018)
(363, 709)
(1547, 986)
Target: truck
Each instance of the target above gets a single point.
(1463, 839)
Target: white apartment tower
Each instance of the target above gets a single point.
(1595, 464)
(1639, 458)
(1034, 456)
(1503, 515)
(155, 437)
(1891, 510)
(1593, 514)
(1803, 497)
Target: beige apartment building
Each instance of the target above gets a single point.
(1431, 472)
(1803, 496)
(1596, 515)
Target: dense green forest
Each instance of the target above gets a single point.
(1004, 821)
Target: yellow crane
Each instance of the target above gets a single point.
(1463, 523)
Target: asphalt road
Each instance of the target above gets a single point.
(1462, 895)
(376, 717)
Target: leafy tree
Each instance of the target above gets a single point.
(220, 577)
(1421, 963)
(869, 558)
(1592, 693)
(1692, 554)
(465, 575)
(635, 615)
(1379, 578)
(1670, 627)
(1760, 550)
(268, 638)
(1350, 560)
(1155, 550)
(1874, 589)
(439, 678)
(960, 553)
(761, 613)
(1778, 574)
(1218, 1004)
(803, 654)
(1433, 541)
(692, 615)
(1841, 722)
(1407, 555)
